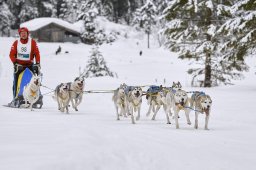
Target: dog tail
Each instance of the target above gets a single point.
(54, 97)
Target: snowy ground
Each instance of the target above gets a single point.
(92, 138)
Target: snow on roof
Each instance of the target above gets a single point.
(38, 23)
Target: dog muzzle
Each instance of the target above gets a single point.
(137, 94)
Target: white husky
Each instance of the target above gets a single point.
(119, 99)
(76, 91)
(62, 96)
(202, 103)
(157, 99)
(134, 100)
(180, 102)
(31, 91)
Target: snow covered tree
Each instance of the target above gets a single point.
(88, 12)
(145, 17)
(240, 31)
(27, 13)
(192, 31)
(15, 6)
(46, 8)
(67, 10)
(96, 66)
(6, 19)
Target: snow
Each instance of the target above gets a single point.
(92, 138)
(38, 23)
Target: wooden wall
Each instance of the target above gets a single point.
(54, 33)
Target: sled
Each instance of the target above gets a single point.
(24, 79)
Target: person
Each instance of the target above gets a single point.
(23, 53)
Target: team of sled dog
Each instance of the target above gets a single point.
(64, 93)
(128, 99)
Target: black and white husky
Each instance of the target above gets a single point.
(119, 99)
(61, 95)
(31, 91)
(134, 100)
(201, 103)
(76, 91)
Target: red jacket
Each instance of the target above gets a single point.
(34, 53)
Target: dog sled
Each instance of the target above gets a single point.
(24, 79)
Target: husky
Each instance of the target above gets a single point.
(172, 90)
(61, 94)
(134, 100)
(180, 102)
(120, 102)
(31, 91)
(157, 98)
(76, 91)
(201, 103)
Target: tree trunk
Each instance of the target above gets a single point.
(208, 71)
(148, 39)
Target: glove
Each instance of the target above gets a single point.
(36, 68)
(17, 67)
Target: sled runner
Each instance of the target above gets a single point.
(24, 79)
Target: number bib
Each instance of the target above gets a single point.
(23, 50)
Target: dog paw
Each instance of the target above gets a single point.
(168, 123)
(196, 127)
(189, 123)
(137, 118)
(206, 129)
(76, 109)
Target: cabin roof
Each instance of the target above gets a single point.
(38, 23)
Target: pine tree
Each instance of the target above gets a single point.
(240, 31)
(6, 19)
(145, 17)
(15, 7)
(27, 13)
(96, 66)
(67, 10)
(192, 31)
(46, 8)
(88, 12)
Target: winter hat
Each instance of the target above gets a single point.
(23, 29)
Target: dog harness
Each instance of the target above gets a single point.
(33, 93)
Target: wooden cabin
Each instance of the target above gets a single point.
(52, 30)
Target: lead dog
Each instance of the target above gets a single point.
(62, 96)
(180, 102)
(76, 91)
(134, 100)
(119, 99)
(31, 91)
(201, 103)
